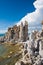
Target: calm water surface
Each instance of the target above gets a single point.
(2, 49)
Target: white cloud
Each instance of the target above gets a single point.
(2, 31)
(36, 16)
(38, 4)
(33, 18)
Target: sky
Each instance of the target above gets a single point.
(12, 11)
(34, 18)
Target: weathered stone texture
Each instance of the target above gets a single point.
(18, 33)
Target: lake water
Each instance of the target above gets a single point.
(2, 49)
(2, 34)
